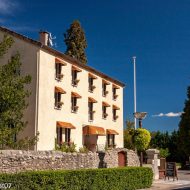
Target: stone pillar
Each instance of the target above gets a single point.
(152, 155)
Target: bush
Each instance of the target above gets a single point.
(65, 147)
(141, 139)
(83, 149)
(129, 178)
(164, 153)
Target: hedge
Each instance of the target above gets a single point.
(127, 178)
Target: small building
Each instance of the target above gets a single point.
(70, 101)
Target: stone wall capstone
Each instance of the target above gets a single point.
(12, 161)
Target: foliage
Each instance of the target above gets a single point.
(5, 45)
(75, 41)
(12, 100)
(83, 149)
(129, 178)
(164, 153)
(184, 129)
(165, 140)
(128, 135)
(65, 147)
(141, 139)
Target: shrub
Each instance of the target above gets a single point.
(164, 153)
(83, 149)
(65, 147)
(129, 178)
(141, 139)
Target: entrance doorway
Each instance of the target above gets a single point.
(121, 159)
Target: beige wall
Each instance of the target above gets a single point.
(28, 53)
(48, 115)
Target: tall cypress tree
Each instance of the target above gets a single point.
(75, 41)
(184, 129)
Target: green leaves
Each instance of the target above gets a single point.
(13, 97)
(141, 139)
(75, 41)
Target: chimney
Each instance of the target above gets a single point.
(44, 38)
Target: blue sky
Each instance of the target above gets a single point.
(157, 32)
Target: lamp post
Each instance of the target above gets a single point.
(140, 116)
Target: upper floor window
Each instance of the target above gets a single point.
(104, 110)
(91, 111)
(74, 104)
(58, 68)
(104, 87)
(74, 73)
(114, 90)
(114, 110)
(58, 92)
(91, 86)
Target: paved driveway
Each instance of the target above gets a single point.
(182, 183)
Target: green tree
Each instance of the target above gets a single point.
(141, 139)
(75, 41)
(12, 100)
(128, 135)
(184, 130)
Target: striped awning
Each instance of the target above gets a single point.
(59, 61)
(111, 132)
(65, 125)
(93, 130)
(60, 90)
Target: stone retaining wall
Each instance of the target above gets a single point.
(12, 161)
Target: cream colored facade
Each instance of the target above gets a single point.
(41, 114)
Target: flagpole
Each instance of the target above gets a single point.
(135, 103)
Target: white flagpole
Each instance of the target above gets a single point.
(135, 104)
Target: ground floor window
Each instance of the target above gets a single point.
(63, 135)
(111, 140)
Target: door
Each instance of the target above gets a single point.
(121, 159)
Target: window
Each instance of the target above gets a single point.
(58, 68)
(58, 92)
(67, 136)
(74, 107)
(104, 114)
(114, 110)
(58, 102)
(74, 74)
(114, 90)
(111, 140)
(90, 111)
(74, 97)
(104, 87)
(91, 86)
(59, 135)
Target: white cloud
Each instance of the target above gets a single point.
(7, 6)
(170, 114)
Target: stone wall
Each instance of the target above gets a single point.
(12, 161)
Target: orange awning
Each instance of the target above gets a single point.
(115, 107)
(93, 130)
(115, 86)
(111, 132)
(92, 76)
(105, 104)
(90, 99)
(60, 90)
(74, 94)
(76, 69)
(65, 125)
(57, 60)
(106, 82)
